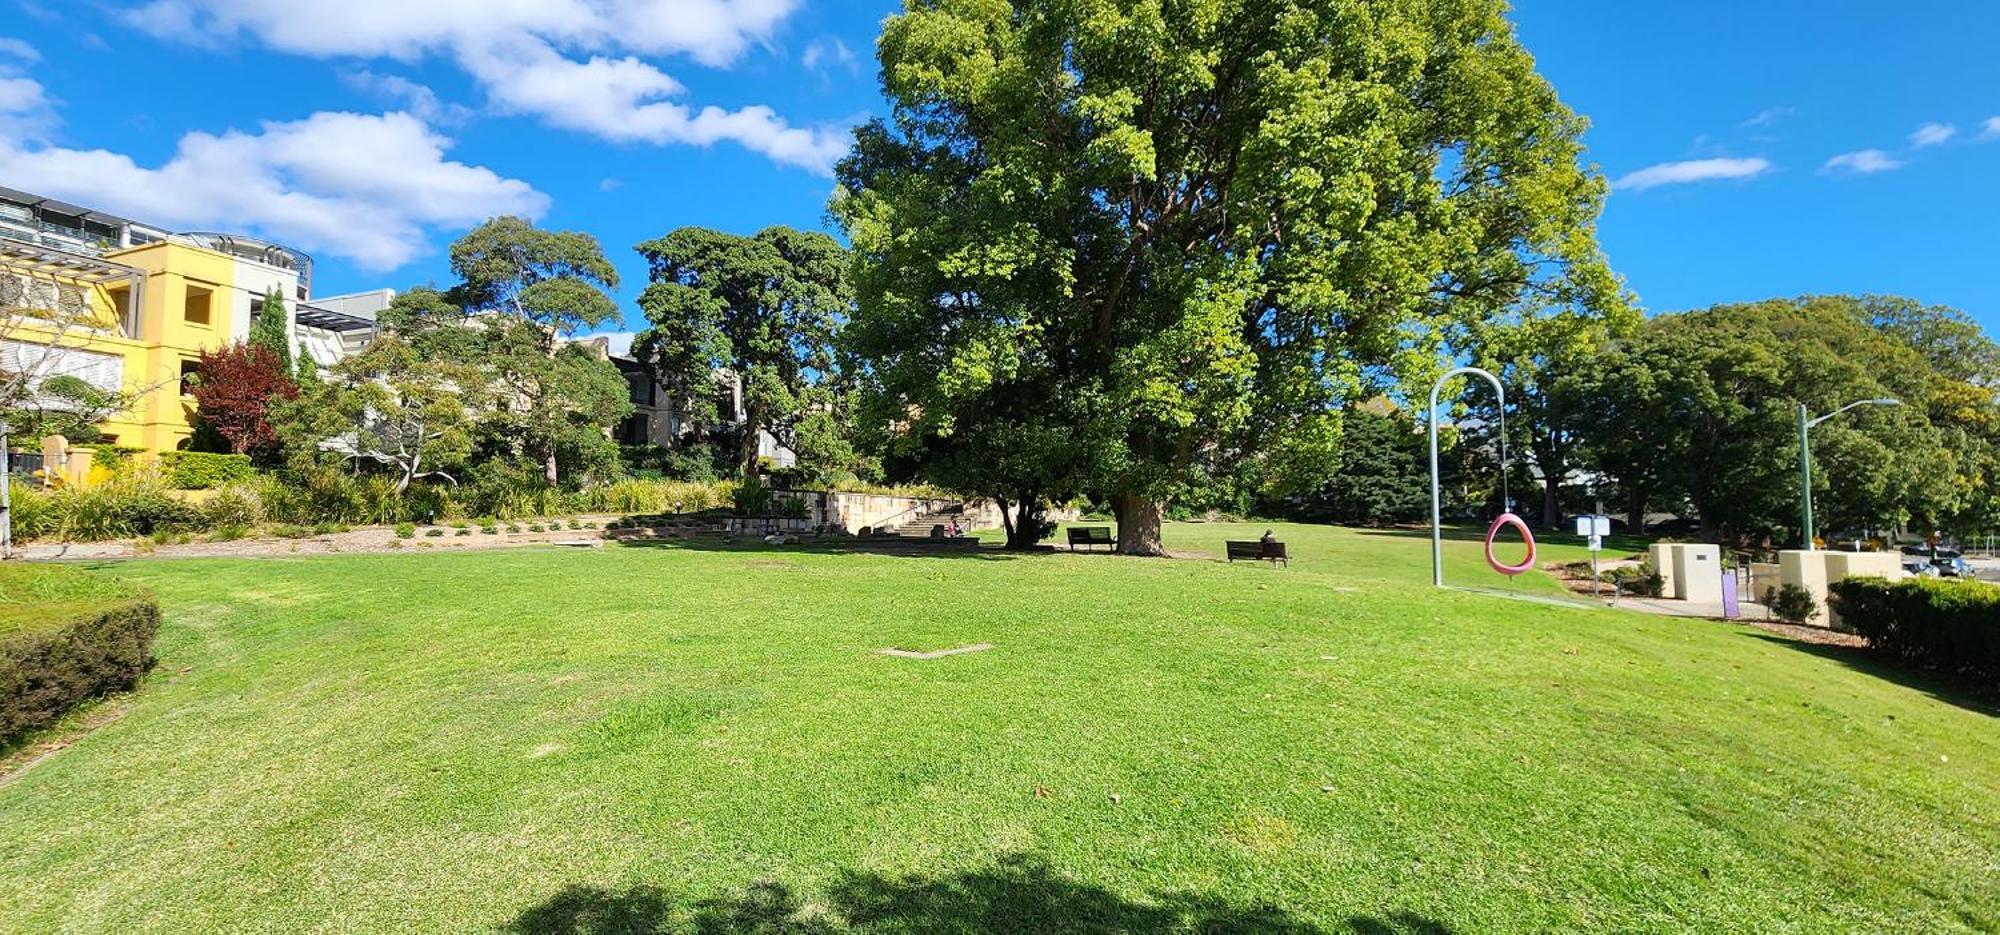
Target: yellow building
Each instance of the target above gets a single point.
(122, 305)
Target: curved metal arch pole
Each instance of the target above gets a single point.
(1437, 523)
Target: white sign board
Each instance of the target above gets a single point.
(1593, 526)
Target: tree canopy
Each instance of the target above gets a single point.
(1190, 232)
(762, 310)
(1698, 412)
(521, 291)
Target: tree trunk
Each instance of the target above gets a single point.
(1635, 513)
(1138, 524)
(746, 450)
(549, 467)
(1024, 523)
(1551, 503)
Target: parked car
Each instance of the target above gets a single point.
(1941, 561)
(1953, 566)
(1681, 527)
(1920, 567)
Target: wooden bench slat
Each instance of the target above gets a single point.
(1257, 550)
(1089, 536)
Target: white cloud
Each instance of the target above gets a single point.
(575, 64)
(1863, 162)
(1933, 134)
(1767, 116)
(26, 112)
(609, 184)
(620, 341)
(17, 49)
(416, 99)
(360, 186)
(827, 50)
(1693, 170)
(21, 96)
(1990, 130)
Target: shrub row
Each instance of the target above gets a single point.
(142, 505)
(66, 636)
(1950, 626)
(202, 470)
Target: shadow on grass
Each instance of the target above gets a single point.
(1871, 663)
(1019, 894)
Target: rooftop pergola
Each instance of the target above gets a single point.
(48, 264)
(326, 319)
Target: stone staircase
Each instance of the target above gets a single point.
(665, 527)
(920, 526)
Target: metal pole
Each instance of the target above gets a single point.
(1805, 479)
(1437, 521)
(6, 498)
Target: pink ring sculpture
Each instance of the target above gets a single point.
(1527, 536)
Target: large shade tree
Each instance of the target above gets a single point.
(522, 291)
(1187, 231)
(1700, 410)
(389, 408)
(762, 308)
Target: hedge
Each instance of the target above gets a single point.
(66, 636)
(1950, 626)
(201, 470)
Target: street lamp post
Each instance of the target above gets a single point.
(1806, 424)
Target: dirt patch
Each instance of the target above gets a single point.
(1817, 635)
(368, 540)
(937, 654)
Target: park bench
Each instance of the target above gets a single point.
(1088, 536)
(1258, 551)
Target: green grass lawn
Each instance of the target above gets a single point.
(706, 740)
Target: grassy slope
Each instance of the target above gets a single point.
(40, 596)
(597, 741)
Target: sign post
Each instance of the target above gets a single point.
(1595, 528)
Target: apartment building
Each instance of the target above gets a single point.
(138, 305)
(656, 420)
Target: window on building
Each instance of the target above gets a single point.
(256, 308)
(190, 369)
(640, 388)
(633, 431)
(121, 305)
(199, 306)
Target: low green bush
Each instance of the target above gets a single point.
(1950, 626)
(202, 470)
(67, 636)
(1638, 579)
(1791, 603)
(433, 532)
(232, 506)
(406, 530)
(34, 511)
(751, 498)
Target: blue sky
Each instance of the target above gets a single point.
(1760, 148)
